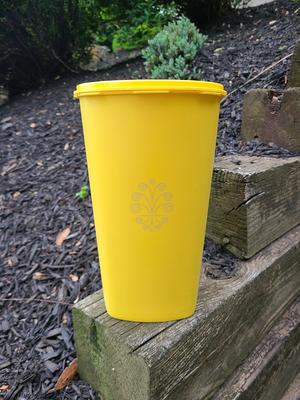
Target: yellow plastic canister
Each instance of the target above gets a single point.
(150, 149)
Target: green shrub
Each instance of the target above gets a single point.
(40, 38)
(133, 37)
(130, 24)
(171, 52)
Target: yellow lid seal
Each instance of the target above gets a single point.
(149, 86)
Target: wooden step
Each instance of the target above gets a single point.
(293, 391)
(254, 201)
(272, 116)
(272, 366)
(189, 359)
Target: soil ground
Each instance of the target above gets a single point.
(43, 166)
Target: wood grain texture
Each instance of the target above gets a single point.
(190, 359)
(294, 73)
(293, 391)
(272, 116)
(254, 201)
(272, 366)
(93, 298)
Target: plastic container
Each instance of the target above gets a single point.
(150, 149)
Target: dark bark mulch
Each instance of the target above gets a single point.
(248, 42)
(43, 166)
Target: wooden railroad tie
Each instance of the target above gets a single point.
(189, 359)
(274, 115)
(254, 201)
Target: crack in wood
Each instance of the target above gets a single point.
(246, 202)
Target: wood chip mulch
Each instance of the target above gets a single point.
(48, 254)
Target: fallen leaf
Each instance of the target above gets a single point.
(4, 388)
(12, 261)
(16, 195)
(39, 276)
(272, 22)
(275, 100)
(66, 376)
(73, 277)
(62, 236)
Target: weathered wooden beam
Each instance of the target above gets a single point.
(293, 391)
(272, 366)
(294, 74)
(189, 359)
(272, 116)
(254, 200)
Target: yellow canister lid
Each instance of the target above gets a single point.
(149, 86)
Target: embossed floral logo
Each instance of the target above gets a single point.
(151, 204)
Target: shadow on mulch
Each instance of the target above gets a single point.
(43, 166)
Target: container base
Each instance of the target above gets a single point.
(145, 318)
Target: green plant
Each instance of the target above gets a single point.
(129, 24)
(40, 39)
(83, 193)
(171, 52)
(133, 37)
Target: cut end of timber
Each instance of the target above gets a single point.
(254, 201)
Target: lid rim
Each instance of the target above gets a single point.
(148, 86)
